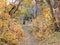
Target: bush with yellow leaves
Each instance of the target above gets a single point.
(0, 23)
(10, 31)
(6, 16)
(43, 25)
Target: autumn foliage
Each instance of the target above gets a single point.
(10, 31)
(43, 25)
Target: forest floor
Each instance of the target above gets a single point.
(29, 39)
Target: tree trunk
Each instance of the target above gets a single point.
(15, 8)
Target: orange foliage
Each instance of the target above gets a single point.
(6, 16)
(43, 25)
(9, 6)
(2, 6)
(0, 15)
(11, 31)
(2, 0)
(0, 23)
(5, 23)
(16, 28)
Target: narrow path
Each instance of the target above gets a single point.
(30, 40)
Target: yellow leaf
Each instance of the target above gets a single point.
(2, 0)
(0, 15)
(5, 22)
(9, 6)
(39, 35)
(0, 23)
(6, 16)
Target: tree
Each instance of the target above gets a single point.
(15, 8)
(53, 17)
(9, 35)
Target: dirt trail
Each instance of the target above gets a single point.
(30, 40)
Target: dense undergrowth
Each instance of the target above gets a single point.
(10, 31)
(43, 25)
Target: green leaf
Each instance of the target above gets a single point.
(24, 11)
